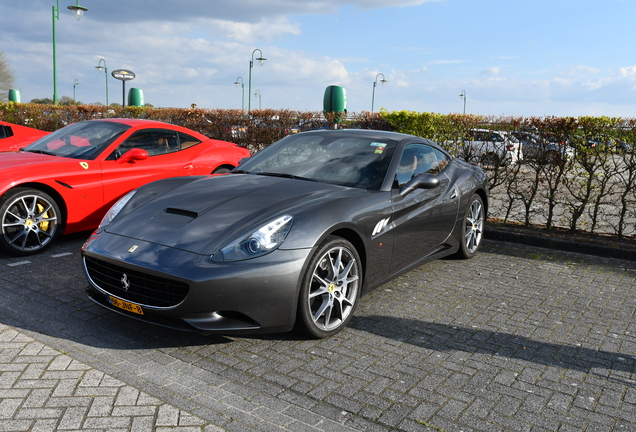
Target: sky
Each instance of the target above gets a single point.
(509, 57)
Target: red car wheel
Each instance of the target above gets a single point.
(30, 221)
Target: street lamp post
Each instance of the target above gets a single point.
(261, 60)
(258, 93)
(78, 11)
(463, 96)
(99, 68)
(236, 83)
(76, 83)
(375, 83)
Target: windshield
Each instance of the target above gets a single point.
(84, 140)
(329, 157)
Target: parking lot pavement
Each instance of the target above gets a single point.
(517, 339)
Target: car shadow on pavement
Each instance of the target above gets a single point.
(445, 337)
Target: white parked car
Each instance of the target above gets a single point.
(491, 148)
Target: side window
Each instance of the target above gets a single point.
(154, 141)
(187, 140)
(481, 136)
(442, 159)
(495, 137)
(5, 131)
(417, 158)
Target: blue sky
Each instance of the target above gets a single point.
(511, 57)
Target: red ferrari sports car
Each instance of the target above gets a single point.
(13, 137)
(66, 181)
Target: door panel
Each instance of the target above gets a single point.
(424, 218)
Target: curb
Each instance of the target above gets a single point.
(609, 250)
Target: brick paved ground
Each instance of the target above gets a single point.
(42, 389)
(517, 339)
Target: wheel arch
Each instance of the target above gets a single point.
(356, 240)
(484, 199)
(50, 191)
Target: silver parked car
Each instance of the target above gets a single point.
(490, 148)
(544, 148)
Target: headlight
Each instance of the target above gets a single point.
(114, 210)
(260, 242)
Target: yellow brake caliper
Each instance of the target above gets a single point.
(44, 226)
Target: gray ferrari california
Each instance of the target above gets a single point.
(290, 239)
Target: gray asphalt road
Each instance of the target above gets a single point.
(516, 339)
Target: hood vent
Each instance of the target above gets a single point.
(173, 219)
(182, 212)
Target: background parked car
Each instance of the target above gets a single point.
(13, 137)
(609, 144)
(67, 180)
(623, 146)
(544, 149)
(490, 148)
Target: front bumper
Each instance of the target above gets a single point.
(251, 296)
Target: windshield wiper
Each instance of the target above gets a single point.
(285, 175)
(41, 152)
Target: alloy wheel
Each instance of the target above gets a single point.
(29, 222)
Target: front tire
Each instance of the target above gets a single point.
(30, 221)
(330, 289)
(472, 228)
(222, 170)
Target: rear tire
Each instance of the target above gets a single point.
(330, 289)
(490, 160)
(30, 221)
(472, 228)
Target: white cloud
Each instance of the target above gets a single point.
(627, 71)
(376, 4)
(265, 30)
(581, 71)
(492, 70)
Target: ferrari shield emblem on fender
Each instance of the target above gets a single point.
(84, 165)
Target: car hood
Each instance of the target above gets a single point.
(18, 159)
(205, 215)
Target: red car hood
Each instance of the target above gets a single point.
(20, 167)
(17, 159)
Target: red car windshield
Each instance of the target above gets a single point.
(84, 140)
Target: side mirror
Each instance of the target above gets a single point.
(133, 155)
(243, 160)
(420, 181)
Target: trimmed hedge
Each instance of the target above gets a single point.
(594, 191)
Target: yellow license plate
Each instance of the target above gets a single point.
(127, 306)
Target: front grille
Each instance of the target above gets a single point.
(144, 289)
